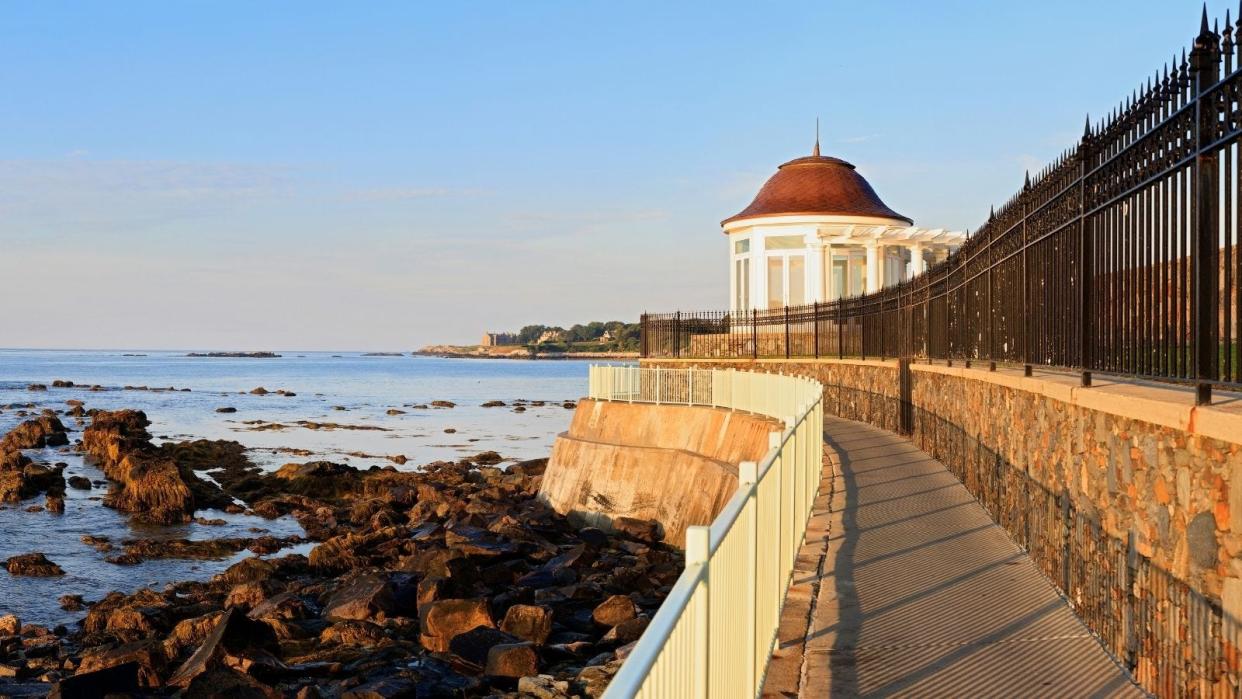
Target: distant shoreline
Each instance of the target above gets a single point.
(523, 356)
(235, 355)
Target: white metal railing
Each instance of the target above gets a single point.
(715, 632)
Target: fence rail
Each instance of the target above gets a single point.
(1122, 256)
(715, 632)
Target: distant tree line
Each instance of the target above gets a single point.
(611, 336)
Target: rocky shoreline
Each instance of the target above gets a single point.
(455, 580)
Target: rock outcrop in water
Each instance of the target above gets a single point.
(43, 431)
(20, 478)
(147, 481)
(452, 581)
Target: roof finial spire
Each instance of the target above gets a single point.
(815, 151)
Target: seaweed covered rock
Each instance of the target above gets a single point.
(34, 565)
(43, 431)
(152, 490)
(147, 481)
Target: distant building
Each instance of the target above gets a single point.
(552, 336)
(499, 339)
(817, 231)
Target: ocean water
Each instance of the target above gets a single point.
(349, 389)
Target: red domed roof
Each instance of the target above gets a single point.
(817, 185)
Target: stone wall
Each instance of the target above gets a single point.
(1178, 493)
(673, 464)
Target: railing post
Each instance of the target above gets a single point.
(787, 348)
(1205, 63)
(690, 388)
(754, 333)
(774, 442)
(882, 324)
(698, 553)
(677, 334)
(748, 478)
(1086, 261)
(815, 320)
(795, 493)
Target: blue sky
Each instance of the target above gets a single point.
(314, 175)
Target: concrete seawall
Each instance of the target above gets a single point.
(673, 464)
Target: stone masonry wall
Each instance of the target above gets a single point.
(1179, 493)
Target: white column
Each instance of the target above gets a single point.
(917, 265)
(758, 272)
(829, 270)
(873, 267)
(732, 275)
(815, 271)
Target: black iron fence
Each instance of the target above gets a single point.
(1121, 257)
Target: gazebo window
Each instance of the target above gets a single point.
(741, 282)
(776, 281)
(784, 242)
(786, 279)
(797, 280)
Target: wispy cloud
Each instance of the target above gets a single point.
(380, 194)
(860, 139)
(589, 217)
(85, 195)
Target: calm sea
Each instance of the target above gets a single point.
(348, 389)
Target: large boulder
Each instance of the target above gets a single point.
(614, 611)
(43, 431)
(151, 489)
(443, 620)
(229, 643)
(33, 565)
(471, 649)
(528, 622)
(512, 660)
(371, 596)
(146, 655)
(21, 479)
(113, 434)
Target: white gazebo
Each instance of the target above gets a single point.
(817, 231)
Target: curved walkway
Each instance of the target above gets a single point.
(921, 594)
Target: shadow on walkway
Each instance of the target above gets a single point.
(923, 595)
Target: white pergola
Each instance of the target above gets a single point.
(794, 260)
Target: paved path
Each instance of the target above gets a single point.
(923, 595)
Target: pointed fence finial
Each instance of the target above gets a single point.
(815, 151)
(1086, 130)
(1027, 183)
(991, 212)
